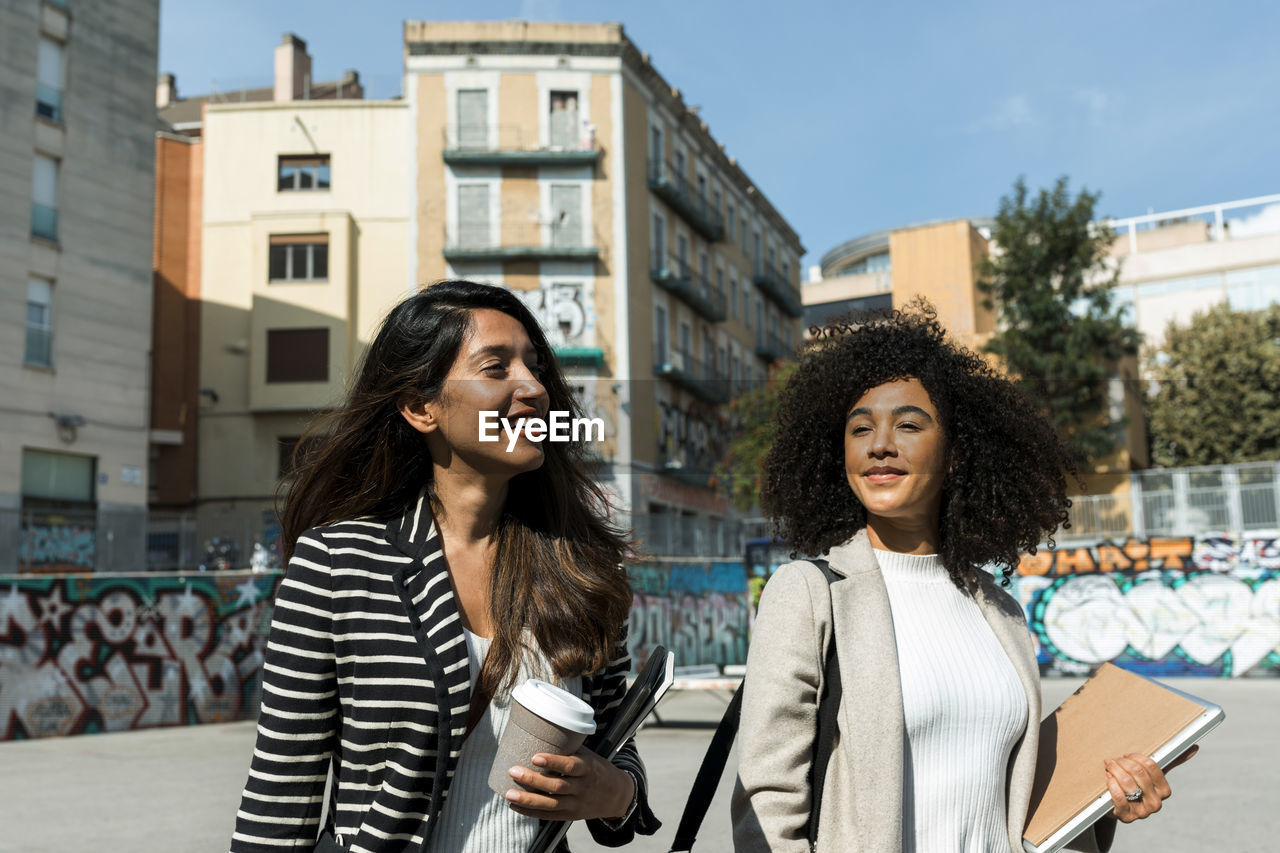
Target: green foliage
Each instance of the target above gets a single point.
(1059, 335)
(755, 415)
(1216, 395)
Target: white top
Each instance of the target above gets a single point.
(474, 818)
(964, 708)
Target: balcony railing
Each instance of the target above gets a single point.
(677, 276)
(782, 291)
(771, 347)
(44, 222)
(696, 377)
(517, 145)
(49, 102)
(39, 347)
(521, 241)
(672, 187)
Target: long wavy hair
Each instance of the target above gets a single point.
(557, 569)
(1007, 487)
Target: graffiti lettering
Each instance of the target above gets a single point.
(89, 654)
(698, 610)
(56, 547)
(1132, 555)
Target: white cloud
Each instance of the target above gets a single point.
(1265, 221)
(1096, 102)
(1013, 111)
(540, 10)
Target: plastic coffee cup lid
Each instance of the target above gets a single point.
(556, 706)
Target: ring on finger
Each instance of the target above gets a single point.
(1136, 796)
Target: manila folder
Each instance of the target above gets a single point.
(1113, 713)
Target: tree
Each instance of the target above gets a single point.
(755, 416)
(1059, 335)
(1215, 397)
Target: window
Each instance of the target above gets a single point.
(730, 229)
(50, 63)
(563, 127)
(44, 198)
(656, 151)
(720, 281)
(473, 216)
(746, 306)
(289, 448)
(715, 199)
(566, 214)
(682, 171)
(733, 297)
(686, 344)
(299, 257)
(755, 252)
(659, 242)
(39, 348)
(659, 334)
(297, 355)
(473, 118)
(742, 233)
(303, 173)
(702, 189)
(58, 476)
(682, 254)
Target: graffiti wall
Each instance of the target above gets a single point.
(698, 609)
(1160, 606)
(104, 653)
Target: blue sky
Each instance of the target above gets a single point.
(855, 116)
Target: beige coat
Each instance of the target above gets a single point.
(862, 798)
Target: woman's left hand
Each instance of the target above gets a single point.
(587, 786)
(1133, 773)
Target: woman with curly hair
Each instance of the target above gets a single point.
(429, 571)
(911, 465)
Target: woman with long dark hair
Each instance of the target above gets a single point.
(911, 465)
(429, 571)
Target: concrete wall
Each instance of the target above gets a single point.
(366, 215)
(100, 264)
(1206, 605)
(82, 654)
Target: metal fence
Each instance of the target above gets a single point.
(1183, 502)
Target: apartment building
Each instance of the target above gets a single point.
(555, 160)
(77, 156)
(305, 237)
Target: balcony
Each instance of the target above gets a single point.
(516, 145)
(774, 283)
(676, 276)
(522, 241)
(580, 356)
(674, 188)
(771, 347)
(698, 378)
(44, 222)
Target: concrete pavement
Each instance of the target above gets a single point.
(176, 790)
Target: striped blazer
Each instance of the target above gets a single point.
(366, 664)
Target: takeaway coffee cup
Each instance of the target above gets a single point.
(543, 718)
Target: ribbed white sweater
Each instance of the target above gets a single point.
(475, 819)
(964, 707)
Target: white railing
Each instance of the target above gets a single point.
(1218, 231)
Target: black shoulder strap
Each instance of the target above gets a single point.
(717, 755)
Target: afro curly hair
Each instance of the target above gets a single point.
(1007, 486)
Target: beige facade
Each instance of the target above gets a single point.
(1172, 264)
(295, 277)
(76, 174)
(553, 159)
